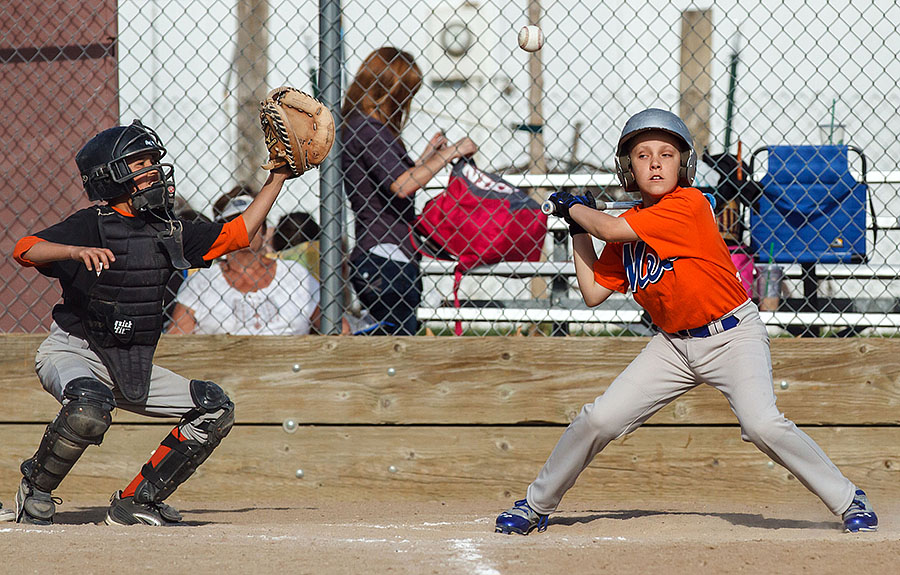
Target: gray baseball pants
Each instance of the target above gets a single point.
(63, 357)
(737, 362)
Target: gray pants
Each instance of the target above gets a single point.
(63, 357)
(737, 363)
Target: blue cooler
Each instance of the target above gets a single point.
(812, 209)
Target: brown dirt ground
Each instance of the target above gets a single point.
(438, 537)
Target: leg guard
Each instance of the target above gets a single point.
(178, 457)
(83, 420)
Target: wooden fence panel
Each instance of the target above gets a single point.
(260, 463)
(474, 381)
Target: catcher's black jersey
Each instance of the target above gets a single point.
(82, 229)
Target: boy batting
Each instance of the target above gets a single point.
(668, 252)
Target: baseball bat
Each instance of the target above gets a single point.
(549, 207)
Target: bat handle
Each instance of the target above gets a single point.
(549, 207)
(618, 205)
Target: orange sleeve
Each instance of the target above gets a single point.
(22, 246)
(232, 237)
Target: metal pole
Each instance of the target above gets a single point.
(729, 113)
(330, 182)
(732, 86)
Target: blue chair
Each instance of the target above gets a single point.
(812, 209)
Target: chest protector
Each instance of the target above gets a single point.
(124, 314)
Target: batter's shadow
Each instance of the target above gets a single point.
(753, 520)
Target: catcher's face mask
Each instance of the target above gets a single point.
(153, 184)
(126, 160)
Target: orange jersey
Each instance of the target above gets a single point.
(680, 270)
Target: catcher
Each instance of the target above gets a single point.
(113, 261)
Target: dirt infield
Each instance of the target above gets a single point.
(457, 537)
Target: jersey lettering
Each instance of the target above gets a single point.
(642, 266)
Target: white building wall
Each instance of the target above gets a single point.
(602, 62)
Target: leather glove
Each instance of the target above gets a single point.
(298, 130)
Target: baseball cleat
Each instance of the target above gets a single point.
(860, 516)
(169, 513)
(521, 519)
(127, 511)
(7, 514)
(34, 506)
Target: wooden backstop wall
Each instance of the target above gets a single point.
(436, 418)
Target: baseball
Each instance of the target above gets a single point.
(531, 38)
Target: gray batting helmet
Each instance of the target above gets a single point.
(655, 119)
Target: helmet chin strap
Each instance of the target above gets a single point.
(156, 197)
(158, 200)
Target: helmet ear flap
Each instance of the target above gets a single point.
(688, 168)
(623, 171)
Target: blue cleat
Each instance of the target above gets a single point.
(521, 519)
(859, 516)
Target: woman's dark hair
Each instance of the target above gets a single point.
(294, 228)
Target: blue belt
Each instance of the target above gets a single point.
(718, 326)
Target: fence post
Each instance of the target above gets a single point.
(330, 191)
(695, 81)
(251, 64)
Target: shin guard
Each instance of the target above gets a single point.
(177, 457)
(83, 420)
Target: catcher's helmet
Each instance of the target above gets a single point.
(103, 163)
(655, 119)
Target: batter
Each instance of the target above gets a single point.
(669, 254)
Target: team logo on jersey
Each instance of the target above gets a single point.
(122, 326)
(642, 266)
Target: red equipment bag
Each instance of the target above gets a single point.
(480, 219)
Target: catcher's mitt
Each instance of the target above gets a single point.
(299, 130)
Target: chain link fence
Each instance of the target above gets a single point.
(793, 108)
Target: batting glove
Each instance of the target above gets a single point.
(563, 200)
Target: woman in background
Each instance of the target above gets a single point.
(296, 238)
(247, 293)
(381, 181)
